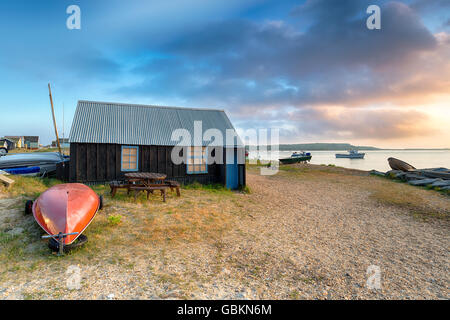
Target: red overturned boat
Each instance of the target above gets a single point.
(64, 211)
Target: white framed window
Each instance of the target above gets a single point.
(129, 160)
(197, 160)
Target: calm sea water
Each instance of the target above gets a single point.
(374, 159)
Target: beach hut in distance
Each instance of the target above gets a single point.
(108, 140)
(17, 140)
(63, 142)
(7, 143)
(31, 142)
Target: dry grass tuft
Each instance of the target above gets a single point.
(27, 186)
(194, 225)
(421, 203)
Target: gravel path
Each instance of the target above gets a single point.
(330, 234)
(295, 238)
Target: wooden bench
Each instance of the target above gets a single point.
(118, 185)
(173, 185)
(7, 181)
(149, 189)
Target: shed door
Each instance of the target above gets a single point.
(232, 169)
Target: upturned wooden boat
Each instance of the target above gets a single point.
(45, 161)
(397, 164)
(442, 174)
(66, 208)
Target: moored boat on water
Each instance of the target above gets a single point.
(352, 154)
(297, 157)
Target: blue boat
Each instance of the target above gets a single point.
(28, 171)
(26, 163)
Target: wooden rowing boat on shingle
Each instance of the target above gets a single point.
(397, 164)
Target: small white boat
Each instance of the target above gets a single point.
(352, 154)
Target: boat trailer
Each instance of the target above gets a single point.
(60, 236)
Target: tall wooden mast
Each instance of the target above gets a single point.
(54, 120)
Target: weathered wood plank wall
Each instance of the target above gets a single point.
(102, 163)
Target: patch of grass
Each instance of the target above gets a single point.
(193, 186)
(212, 188)
(245, 189)
(14, 268)
(29, 186)
(198, 224)
(308, 171)
(33, 266)
(27, 296)
(408, 197)
(392, 175)
(23, 150)
(293, 170)
(98, 226)
(294, 295)
(6, 238)
(33, 295)
(11, 246)
(100, 188)
(114, 220)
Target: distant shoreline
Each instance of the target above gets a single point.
(342, 147)
(305, 149)
(444, 149)
(416, 149)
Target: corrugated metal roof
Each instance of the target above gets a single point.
(31, 138)
(117, 123)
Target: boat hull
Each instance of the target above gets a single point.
(24, 171)
(295, 159)
(66, 208)
(46, 161)
(397, 164)
(351, 156)
(436, 174)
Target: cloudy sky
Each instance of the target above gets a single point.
(310, 68)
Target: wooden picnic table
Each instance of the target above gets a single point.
(146, 181)
(146, 178)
